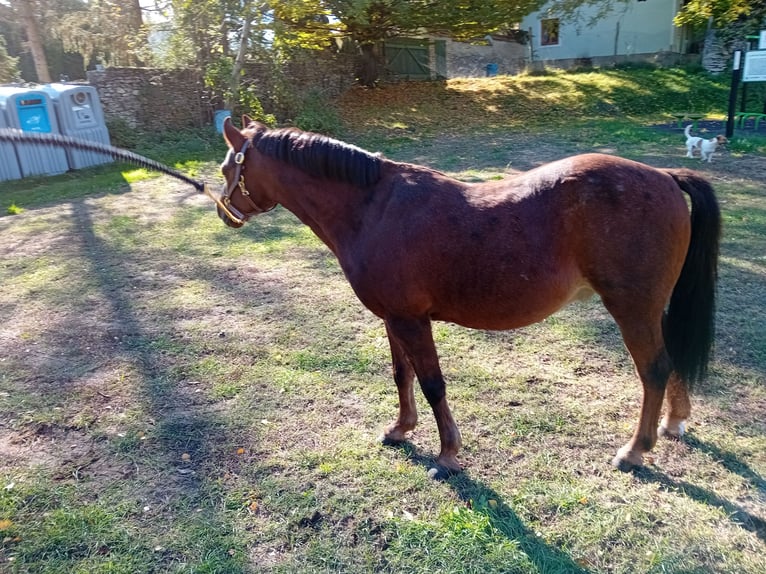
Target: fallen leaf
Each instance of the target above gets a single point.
(186, 456)
(5, 524)
(240, 451)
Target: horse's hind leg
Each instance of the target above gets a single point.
(679, 408)
(643, 338)
(413, 337)
(404, 376)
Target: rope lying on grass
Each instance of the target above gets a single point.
(21, 137)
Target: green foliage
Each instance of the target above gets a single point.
(317, 114)
(121, 134)
(218, 79)
(9, 70)
(723, 12)
(368, 21)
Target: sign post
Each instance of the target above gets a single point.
(735, 76)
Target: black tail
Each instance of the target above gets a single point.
(22, 137)
(690, 321)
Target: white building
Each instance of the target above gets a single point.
(634, 30)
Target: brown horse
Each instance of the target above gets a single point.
(418, 246)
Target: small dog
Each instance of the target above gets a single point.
(706, 147)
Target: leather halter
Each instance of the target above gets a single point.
(238, 181)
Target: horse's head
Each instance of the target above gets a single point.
(242, 195)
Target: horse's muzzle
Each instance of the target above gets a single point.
(228, 220)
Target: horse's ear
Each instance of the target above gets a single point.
(246, 120)
(232, 135)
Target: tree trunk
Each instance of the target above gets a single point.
(135, 15)
(135, 20)
(236, 72)
(368, 66)
(34, 41)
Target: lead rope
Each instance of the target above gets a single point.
(21, 137)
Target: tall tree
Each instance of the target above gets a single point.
(239, 61)
(367, 22)
(30, 17)
(110, 30)
(727, 23)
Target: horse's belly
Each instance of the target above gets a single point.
(513, 309)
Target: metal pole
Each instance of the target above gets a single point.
(735, 77)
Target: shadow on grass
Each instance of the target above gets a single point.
(180, 430)
(545, 557)
(730, 462)
(477, 495)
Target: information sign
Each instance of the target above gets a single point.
(755, 66)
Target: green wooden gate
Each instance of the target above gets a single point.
(416, 59)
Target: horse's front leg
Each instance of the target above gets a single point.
(414, 338)
(404, 376)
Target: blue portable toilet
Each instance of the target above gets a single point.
(32, 111)
(9, 163)
(80, 115)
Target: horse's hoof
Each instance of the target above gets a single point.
(672, 431)
(391, 439)
(442, 472)
(445, 467)
(623, 465)
(627, 460)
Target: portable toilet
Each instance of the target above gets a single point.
(32, 111)
(9, 163)
(80, 115)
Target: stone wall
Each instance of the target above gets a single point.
(150, 99)
(158, 100)
(471, 60)
(282, 89)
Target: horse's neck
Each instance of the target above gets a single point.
(331, 209)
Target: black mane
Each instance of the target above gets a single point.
(320, 156)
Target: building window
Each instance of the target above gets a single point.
(549, 32)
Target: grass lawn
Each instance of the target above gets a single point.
(180, 397)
